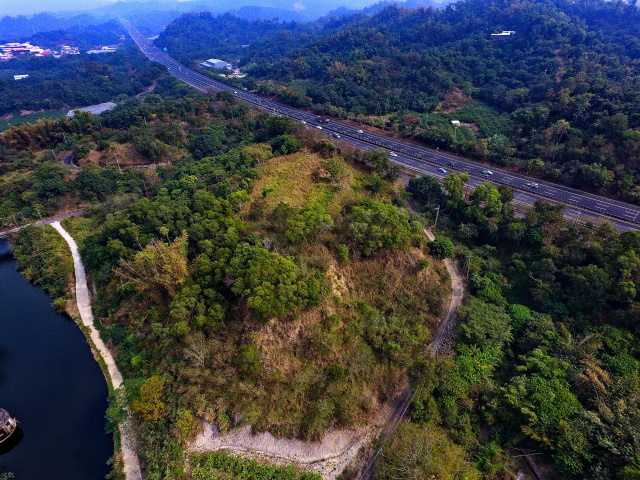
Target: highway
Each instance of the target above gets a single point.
(581, 206)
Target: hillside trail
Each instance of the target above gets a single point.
(130, 458)
(442, 338)
(338, 449)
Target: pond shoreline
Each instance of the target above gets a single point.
(50, 384)
(104, 357)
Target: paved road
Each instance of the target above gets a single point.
(582, 206)
(46, 221)
(83, 300)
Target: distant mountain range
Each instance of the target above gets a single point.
(152, 16)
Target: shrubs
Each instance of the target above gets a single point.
(148, 404)
(248, 360)
(44, 258)
(210, 466)
(343, 254)
(442, 247)
(377, 224)
(286, 144)
(414, 451)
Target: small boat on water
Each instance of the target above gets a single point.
(7, 425)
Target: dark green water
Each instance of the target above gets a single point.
(51, 384)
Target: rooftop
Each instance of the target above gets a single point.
(95, 109)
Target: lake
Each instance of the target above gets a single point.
(51, 384)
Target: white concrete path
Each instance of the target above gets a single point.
(130, 458)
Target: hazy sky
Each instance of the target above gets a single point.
(28, 7)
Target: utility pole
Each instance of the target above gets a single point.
(575, 222)
(38, 212)
(118, 161)
(469, 257)
(455, 133)
(437, 214)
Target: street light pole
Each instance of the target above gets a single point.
(437, 214)
(469, 257)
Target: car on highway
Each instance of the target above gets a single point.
(318, 127)
(393, 154)
(235, 93)
(450, 164)
(531, 185)
(303, 122)
(360, 131)
(336, 135)
(487, 172)
(442, 170)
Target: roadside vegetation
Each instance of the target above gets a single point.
(546, 358)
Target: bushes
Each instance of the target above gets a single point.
(209, 466)
(442, 247)
(286, 144)
(376, 224)
(44, 259)
(414, 451)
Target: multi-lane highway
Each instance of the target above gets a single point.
(581, 206)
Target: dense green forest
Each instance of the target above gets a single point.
(199, 36)
(261, 274)
(74, 80)
(558, 99)
(83, 37)
(547, 355)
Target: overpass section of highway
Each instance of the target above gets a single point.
(581, 206)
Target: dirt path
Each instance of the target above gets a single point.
(131, 463)
(444, 332)
(442, 337)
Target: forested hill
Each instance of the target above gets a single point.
(560, 97)
(198, 36)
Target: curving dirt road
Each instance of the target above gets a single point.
(442, 338)
(444, 332)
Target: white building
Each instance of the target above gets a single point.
(215, 63)
(20, 77)
(505, 33)
(102, 50)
